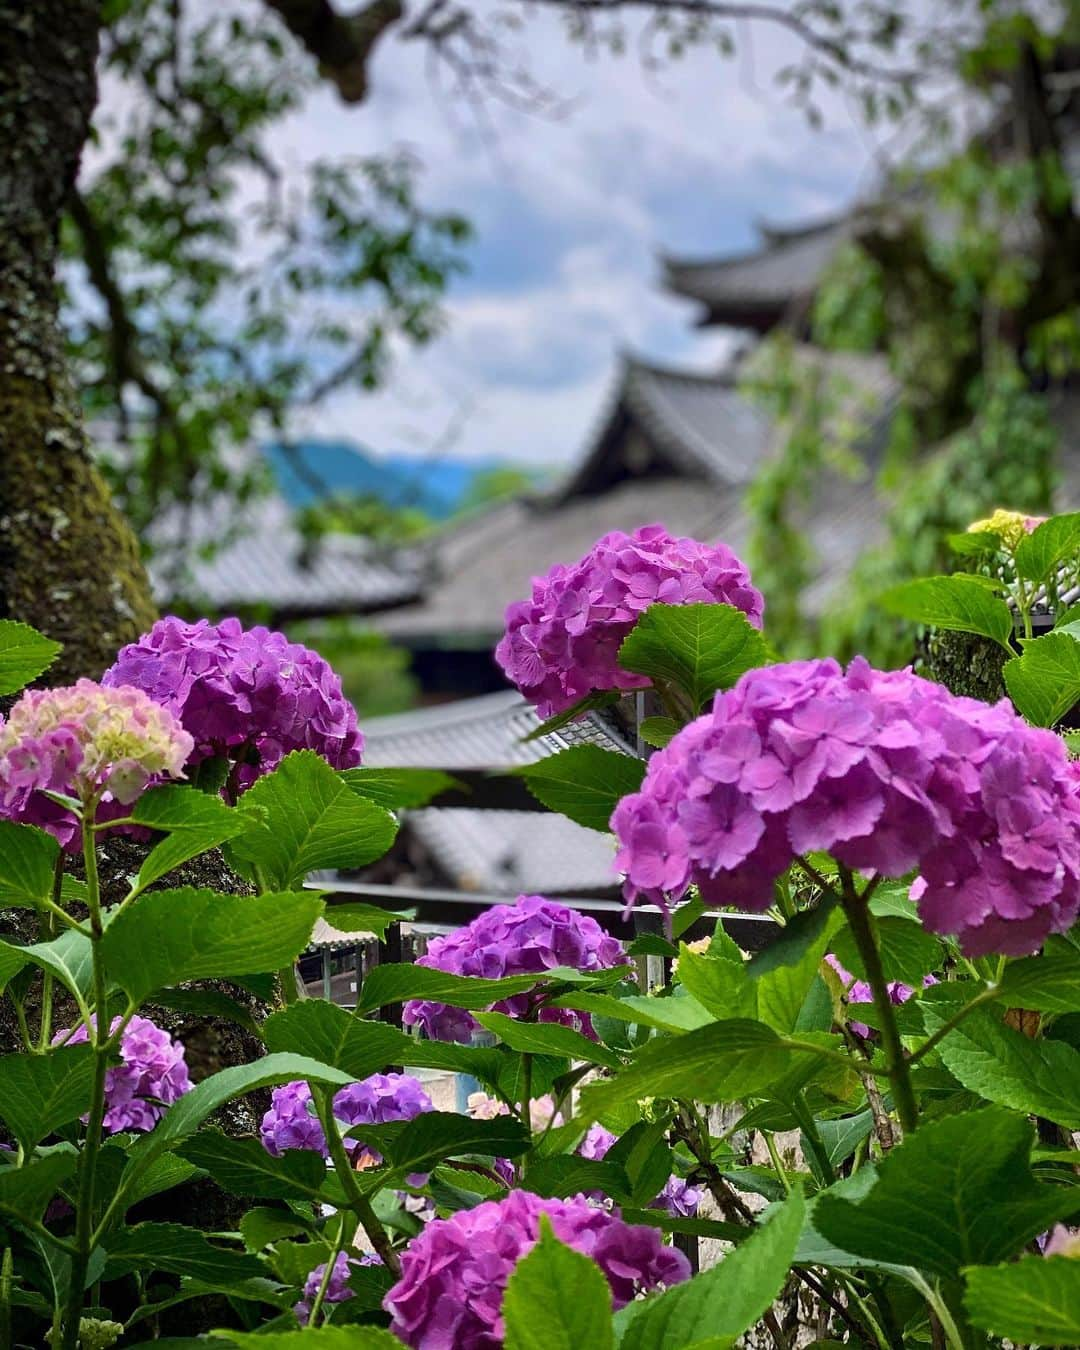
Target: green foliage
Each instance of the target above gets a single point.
(715, 1309)
(959, 1192)
(238, 288)
(24, 655)
(962, 603)
(303, 816)
(697, 649)
(1044, 680)
(583, 782)
(27, 862)
(557, 1299)
(1036, 1300)
(397, 789)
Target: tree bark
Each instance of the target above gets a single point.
(69, 563)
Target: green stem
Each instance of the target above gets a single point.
(84, 1207)
(7, 1266)
(805, 1118)
(324, 1283)
(358, 1201)
(45, 1027)
(939, 1306)
(861, 923)
(778, 1166)
(287, 980)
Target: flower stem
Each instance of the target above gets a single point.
(324, 1283)
(861, 923)
(99, 1038)
(358, 1201)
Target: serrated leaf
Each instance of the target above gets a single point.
(698, 648)
(957, 1192)
(568, 1174)
(69, 958)
(908, 951)
(27, 864)
(962, 603)
(657, 731)
(397, 983)
(791, 942)
(418, 1145)
(547, 1038)
(318, 1338)
(1040, 553)
(179, 1250)
(727, 1299)
(194, 822)
(359, 917)
(328, 1034)
(168, 937)
(1043, 983)
(557, 1299)
(724, 1061)
(1004, 1066)
(677, 1013)
(243, 1167)
(398, 789)
(261, 1226)
(39, 1093)
(26, 1191)
(584, 783)
(303, 817)
(1035, 1301)
(1044, 681)
(24, 655)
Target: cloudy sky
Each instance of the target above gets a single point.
(570, 214)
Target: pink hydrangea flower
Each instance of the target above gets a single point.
(151, 1076)
(1063, 1242)
(678, 1197)
(562, 643)
(337, 1289)
(887, 772)
(528, 937)
(291, 1121)
(84, 741)
(248, 694)
(454, 1274)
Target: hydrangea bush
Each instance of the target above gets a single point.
(842, 1042)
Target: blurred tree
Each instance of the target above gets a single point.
(965, 274)
(495, 485)
(209, 291)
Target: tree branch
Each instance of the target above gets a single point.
(341, 43)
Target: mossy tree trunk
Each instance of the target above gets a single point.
(69, 563)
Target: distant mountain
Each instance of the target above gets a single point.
(310, 470)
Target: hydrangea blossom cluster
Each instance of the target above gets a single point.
(562, 643)
(291, 1121)
(454, 1273)
(84, 741)
(337, 1288)
(886, 771)
(528, 937)
(152, 1074)
(678, 1197)
(859, 991)
(248, 694)
(1009, 526)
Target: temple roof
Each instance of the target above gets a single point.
(265, 562)
(496, 852)
(757, 289)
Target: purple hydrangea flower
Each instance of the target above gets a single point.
(886, 771)
(152, 1075)
(337, 1290)
(678, 1197)
(84, 741)
(562, 643)
(454, 1273)
(291, 1121)
(248, 694)
(859, 991)
(528, 937)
